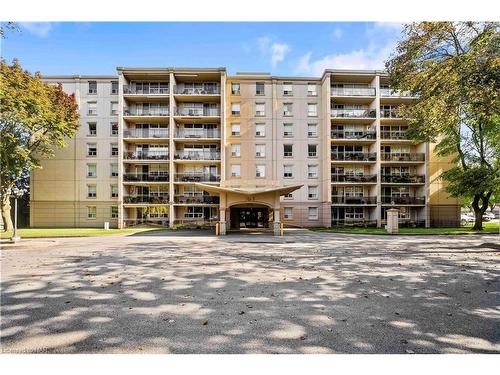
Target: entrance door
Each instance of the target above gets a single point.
(249, 217)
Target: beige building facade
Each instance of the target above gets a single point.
(184, 146)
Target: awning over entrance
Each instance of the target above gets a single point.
(281, 190)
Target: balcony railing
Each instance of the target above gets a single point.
(201, 133)
(197, 91)
(145, 90)
(145, 177)
(402, 200)
(387, 113)
(359, 91)
(353, 113)
(197, 112)
(197, 155)
(197, 177)
(394, 93)
(145, 112)
(150, 199)
(345, 134)
(343, 199)
(354, 178)
(354, 156)
(396, 156)
(146, 133)
(196, 199)
(145, 155)
(396, 134)
(403, 179)
(354, 223)
(163, 221)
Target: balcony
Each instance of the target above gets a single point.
(361, 135)
(359, 91)
(145, 155)
(387, 113)
(197, 155)
(396, 134)
(162, 221)
(145, 177)
(372, 178)
(145, 112)
(197, 112)
(146, 133)
(353, 113)
(196, 199)
(403, 179)
(403, 200)
(198, 133)
(148, 199)
(145, 90)
(196, 177)
(419, 157)
(206, 90)
(343, 199)
(386, 92)
(354, 156)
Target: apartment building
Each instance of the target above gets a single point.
(177, 146)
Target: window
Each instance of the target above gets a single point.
(114, 170)
(91, 212)
(312, 213)
(287, 89)
(312, 171)
(287, 171)
(235, 170)
(114, 191)
(312, 151)
(114, 212)
(235, 150)
(91, 170)
(92, 108)
(287, 151)
(259, 88)
(311, 89)
(312, 109)
(260, 171)
(235, 109)
(288, 213)
(260, 109)
(114, 128)
(114, 108)
(91, 149)
(312, 130)
(288, 130)
(91, 191)
(92, 87)
(235, 130)
(92, 129)
(288, 196)
(114, 87)
(235, 88)
(312, 192)
(114, 149)
(287, 109)
(260, 130)
(260, 151)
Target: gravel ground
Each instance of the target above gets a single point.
(304, 293)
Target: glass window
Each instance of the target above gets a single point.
(288, 130)
(287, 171)
(92, 87)
(288, 213)
(114, 212)
(287, 151)
(260, 109)
(114, 149)
(312, 213)
(312, 130)
(312, 192)
(235, 88)
(91, 170)
(91, 212)
(260, 171)
(311, 89)
(235, 170)
(235, 109)
(287, 109)
(91, 149)
(235, 130)
(312, 109)
(114, 128)
(288, 196)
(260, 130)
(235, 150)
(92, 128)
(287, 89)
(114, 170)
(91, 191)
(260, 151)
(312, 151)
(312, 171)
(114, 108)
(114, 191)
(259, 88)
(114, 87)
(92, 108)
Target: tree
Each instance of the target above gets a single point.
(7, 26)
(35, 118)
(453, 68)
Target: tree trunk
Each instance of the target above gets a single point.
(6, 218)
(480, 210)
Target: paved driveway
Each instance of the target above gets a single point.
(306, 293)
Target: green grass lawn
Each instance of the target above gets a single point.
(487, 228)
(74, 232)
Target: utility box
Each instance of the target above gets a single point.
(392, 221)
(106, 225)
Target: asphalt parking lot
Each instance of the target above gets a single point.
(305, 293)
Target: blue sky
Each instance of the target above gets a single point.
(279, 48)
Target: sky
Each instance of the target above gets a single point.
(280, 48)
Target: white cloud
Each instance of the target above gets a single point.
(382, 39)
(40, 29)
(337, 33)
(276, 51)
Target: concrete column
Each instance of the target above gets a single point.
(392, 221)
(222, 221)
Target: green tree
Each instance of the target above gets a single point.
(35, 118)
(454, 69)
